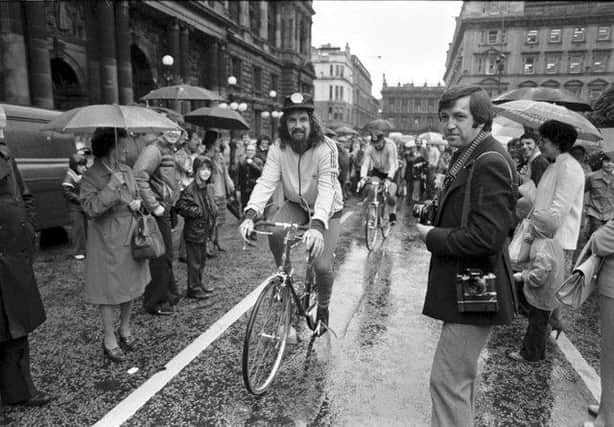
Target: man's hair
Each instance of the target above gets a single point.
(103, 140)
(530, 134)
(209, 140)
(561, 134)
(316, 133)
(261, 138)
(479, 103)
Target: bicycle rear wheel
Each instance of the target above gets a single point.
(265, 338)
(371, 227)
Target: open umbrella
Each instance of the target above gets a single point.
(545, 94)
(182, 93)
(432, 138)
(171, 114)
(378, 124)
(345, 130)
(329, 132)
(533, 113)
(130, 117)
(217, 117)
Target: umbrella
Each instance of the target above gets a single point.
(183, 93)
(545, 94)
(432, 138)
(217, 117)
(346, 130)
(132, 118)
(533, 113)
(378, 124)
(171, 114)
(329, 132)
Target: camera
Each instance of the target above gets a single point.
(425, 212)
(476, 291)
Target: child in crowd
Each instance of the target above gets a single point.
(540, 280)
(197, 206)
(71, 185)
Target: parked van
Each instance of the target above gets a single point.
(42, 158)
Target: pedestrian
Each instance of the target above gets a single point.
(466, 116)
(250, 169)
(198, 208)
(262, 148)
(539, 282)
(156, 176)
(305, 164)
(600, 188)
(419, 173)
(113, 278)
(602, 245)
(536, 163)
(71, 186)
(21, 307)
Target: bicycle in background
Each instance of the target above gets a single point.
(377, 212)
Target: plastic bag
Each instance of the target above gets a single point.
(520, 245)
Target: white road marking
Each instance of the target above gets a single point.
(580, 365)
(139, 397)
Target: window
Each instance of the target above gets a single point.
(275, 83)
(603, 33)
(331, 69)
(578, 34)
(254, 17)
(491, 65)
(330, 109)
(492, 36)
(575, 63)
(529, 65)
(336, 93)
(552, 64)
(233, 10)
(341, 93)
(594, 93)
(257, 81)
(482, 37)
(600, 61)
(555, 35)
(236, 69)
(330, 92)
(532, 37)
(272, 22)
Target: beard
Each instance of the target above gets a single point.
(299, 144)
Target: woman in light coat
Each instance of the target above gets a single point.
(602, 245)
(113, 277)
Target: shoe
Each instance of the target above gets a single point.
(392, 218)
(200, 294)
(163, 310)
(322, 322)
(79, 257)
(40, 398)
(593, 410)
(113, 354)
(127, 343)
(208, 289)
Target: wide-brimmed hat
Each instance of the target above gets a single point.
(298, 101)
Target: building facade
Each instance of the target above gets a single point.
(509, 44)
(63, 54)
(411, 109)
(365, 106)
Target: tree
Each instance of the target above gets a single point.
(603, 111)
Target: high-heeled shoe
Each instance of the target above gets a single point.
(114, 354)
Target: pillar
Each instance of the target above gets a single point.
(14, 87)
(124, 63)
(222, 72)
(173, 41)
(39, 65)
(185, 54)
(264, 20)
(108, 61)
(93, 54)
(213, 77)
(244, 13)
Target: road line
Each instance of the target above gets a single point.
(139, 397)
(580, 365)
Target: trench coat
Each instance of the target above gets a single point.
(481, 244)
(112, 275)
(21, 307)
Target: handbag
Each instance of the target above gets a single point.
(583, 279)
(147, 241)
(519, 248)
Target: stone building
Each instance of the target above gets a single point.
(411, 109)
(63, 54)
(510, 44)
(365, 105)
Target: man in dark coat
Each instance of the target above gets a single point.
(465, 114)
(21, 308)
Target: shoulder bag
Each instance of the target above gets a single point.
(583, 280)
(147, 241)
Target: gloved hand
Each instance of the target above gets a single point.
(314, 241)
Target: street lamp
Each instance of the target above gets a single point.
(273, 114)
(232, 104)
(168, 61)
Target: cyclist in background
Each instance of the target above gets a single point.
(305, 162)
(381, 161)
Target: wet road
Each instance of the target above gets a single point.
(375, 373)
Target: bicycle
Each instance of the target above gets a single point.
(269, 321)
(378, 214)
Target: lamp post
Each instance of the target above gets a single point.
(500, 62)
(232, 102)
(273, 114)
(168, 61)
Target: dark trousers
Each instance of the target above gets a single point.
(196, 253)
(163, 287)
(78, 233)
(534, 341)
(15, 378)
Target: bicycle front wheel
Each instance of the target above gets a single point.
(265, 339)
(385, 219)
(371, 227)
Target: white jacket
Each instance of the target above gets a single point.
(312, 175)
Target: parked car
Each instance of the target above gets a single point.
(42, 158)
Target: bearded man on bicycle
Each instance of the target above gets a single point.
(381, 161)
(305, 163)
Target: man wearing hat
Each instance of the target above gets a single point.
(305, 162)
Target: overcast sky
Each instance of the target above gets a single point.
(407, 40)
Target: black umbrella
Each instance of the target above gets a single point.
(545, 94)
(216, 118)
(183, 92)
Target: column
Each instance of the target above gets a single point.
(14, 87)
(93, 55)
(108, 63)
(264, 20)
(124, 63)
(277, 28)
(185, 54)
(244, 13)
(222, 73)
(213, 76)
(39, 70)
(173, 42)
